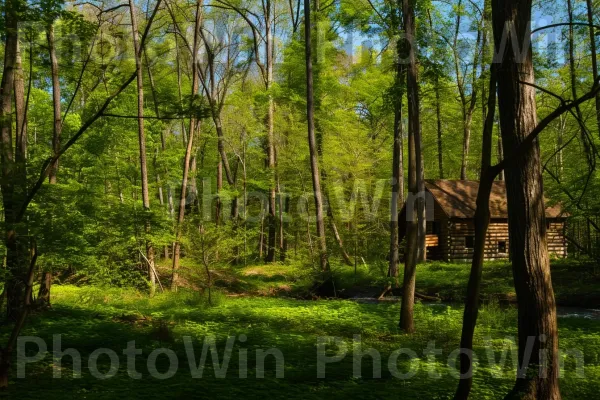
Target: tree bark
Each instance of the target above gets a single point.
(6, 352)
(209, 83)
(188, 152)
(467, 119)
(397, 175)
(500, 156)
(272, 220)
(142, 143)
(192, 185)
(312, 145)
(415, 243)
(284, 205)
(572, 66)
(468, 102)
(20, 110)
(43, 298)
(163, 142)
(13, 171)
(537, 327)
(438, 111)
(438, 114)
(219, 205)
(590, 16)
(481, 222)
(55, 101)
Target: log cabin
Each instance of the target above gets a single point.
(450, 228)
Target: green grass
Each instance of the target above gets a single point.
(93, 317)
(575, 283)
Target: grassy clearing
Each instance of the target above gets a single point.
(575, 283)
(92, 317)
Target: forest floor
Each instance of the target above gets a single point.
(89, 318)
(576, 284)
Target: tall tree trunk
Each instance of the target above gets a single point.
(142, 144)
(20, 110)
(559, 145)
(316, 48)
(590, 16)
(161, 197)
(284, 205)
(188, 153)
(537, 327)
(481, 219)
(209, 82)
(20, 168)
(438, 111)
(193, 186)
(6, 352)
(438, 114)
(468, 103)
(415, 244)
(13, 172)
(397, 175)
(179, 94)
(500, 156)
(466, 144)
(572, 66)
(163, 142)
(219, 205)
(43, 299)
(312, 145)
(261, 237)
(272, 220)
(460, 80)
(55, 101)
(481, 222)
(184, 139)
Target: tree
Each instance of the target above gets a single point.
(21, 249)
(481, 222)
(397, 154)
(46, 281)
(55, 100)
(415, 240)
(467, 90)
(189, 147)
(139, 70)
(397, 176)
(592, 29)
(13, 170)
(526, 210)
(269, 51)
(256, 20)
(312, 143)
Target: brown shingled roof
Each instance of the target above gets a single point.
(457, 199)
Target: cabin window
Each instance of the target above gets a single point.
(502, 247)
(436, 228)
(469, 242)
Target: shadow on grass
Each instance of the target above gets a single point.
(88, 320)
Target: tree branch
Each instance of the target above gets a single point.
(50, 161)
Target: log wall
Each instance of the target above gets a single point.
(437, 243)
(497, 246)
(557, 243)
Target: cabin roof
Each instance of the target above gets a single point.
(458, 199)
